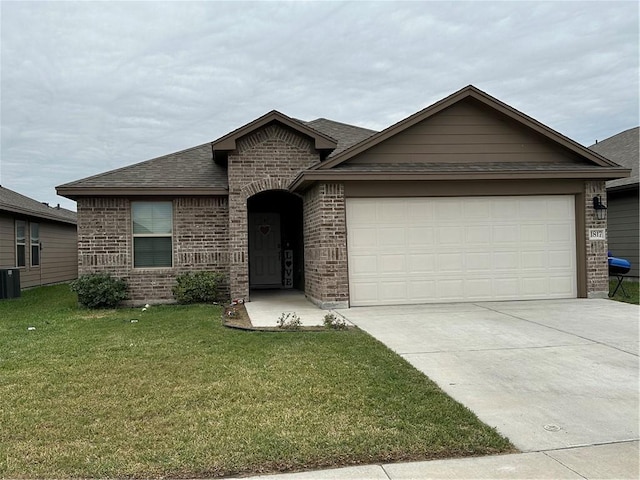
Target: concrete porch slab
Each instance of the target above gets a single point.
(267, 306)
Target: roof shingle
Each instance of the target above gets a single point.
(191, 168)
(622, 149)
(14, 202)
(346, 135)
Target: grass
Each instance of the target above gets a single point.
(633, 293)
(175, 394)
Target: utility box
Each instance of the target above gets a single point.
(9, 283)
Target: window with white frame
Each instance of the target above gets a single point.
(35, 244)
(152, 234)
(21, 247)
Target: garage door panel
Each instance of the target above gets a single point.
(391, 212)
(506, 260)
(506, 287)
(422, 237)
(362, 213)
(533, 259)
(561, 259)
(390, 264)
(450, 289)
(450, 263)
(477, 261)
(450, 235)
(536, 233)
(478, 209)
(508, 233)
(424, 250)
(561, 233)
(479, 289)
(391, 237)
(419, 211)
(448, 209)
(558, 208)
(363, 238)
(424, 263)
(363, 265)
(477, 234)
(421, 290)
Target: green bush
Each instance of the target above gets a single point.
(99, 290)
(200, 287)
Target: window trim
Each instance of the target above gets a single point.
(23, 243)
(150, 235)
(32, 244)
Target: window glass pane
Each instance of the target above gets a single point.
(21, 257)
(152, 217)
(35, 255)
(20, 231)
(35, 232)
(152, 251)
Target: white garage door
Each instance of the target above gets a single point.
(460, 249)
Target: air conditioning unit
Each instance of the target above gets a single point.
(9, 283)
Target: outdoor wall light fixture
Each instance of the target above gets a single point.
(599, 207)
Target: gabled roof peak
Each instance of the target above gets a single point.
(470, 91)
(228, 142)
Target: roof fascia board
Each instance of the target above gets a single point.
(76, 192)
(310, 176)
(31, 213)
(486, 99)
(228, 142)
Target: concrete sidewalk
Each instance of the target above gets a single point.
(612, 461)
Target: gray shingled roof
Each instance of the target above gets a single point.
(622, 149)
(14, 202)
(346, 135)
(193, 168)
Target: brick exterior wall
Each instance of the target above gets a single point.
(596, 251)
(325, 246)
(200, 243)
(267, 159)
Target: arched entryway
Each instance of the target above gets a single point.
(276, 248)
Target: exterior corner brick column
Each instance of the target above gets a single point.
(325, 245)
(596, 251)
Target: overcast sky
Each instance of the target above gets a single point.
(87, 87)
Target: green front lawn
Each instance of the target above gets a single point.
(171, 392)
(633, 293)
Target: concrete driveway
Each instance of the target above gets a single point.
(547, 374)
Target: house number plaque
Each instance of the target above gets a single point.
(597, 234)
(288, 269)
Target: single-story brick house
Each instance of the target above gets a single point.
(38, 240)
(623, 210)
(466, 200)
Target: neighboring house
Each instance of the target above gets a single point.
(622, 196)
(466, 200)
(39, 240)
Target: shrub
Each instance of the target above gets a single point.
(289, 321)
(99, 290)
(200, 287)
(333, 322)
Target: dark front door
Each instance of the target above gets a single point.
(265, 265)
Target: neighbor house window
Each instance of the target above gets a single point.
(35, 244)
(21, 248)
(152, 234)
